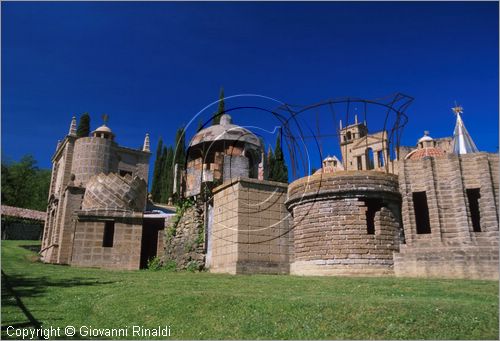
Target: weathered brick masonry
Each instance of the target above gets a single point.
(96, 183)
(250, 228)
(88, 248)
(331, 233)
(454, 246)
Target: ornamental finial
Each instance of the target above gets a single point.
(457, 109)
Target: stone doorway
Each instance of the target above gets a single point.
(149, 242)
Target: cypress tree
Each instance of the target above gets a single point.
(179, 159)
(180, 146)
(220, 109)
(270, 163)
(155, 186)
(83, 129)
(200, 126)
(280, 170)
(163, 175)
(167, 174)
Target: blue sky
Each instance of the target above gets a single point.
(152, 66)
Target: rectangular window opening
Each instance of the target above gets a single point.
(109, 234)
(380, 157)
(473, 195)
(372, 207)
(124, 172)
(421, 212)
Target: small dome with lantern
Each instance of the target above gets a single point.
(426, 147)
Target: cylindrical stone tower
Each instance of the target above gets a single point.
(345, 223)
(94, 155)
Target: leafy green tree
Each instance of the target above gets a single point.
(155, 185)
(24, 184)
(220, 109)
(83, 129)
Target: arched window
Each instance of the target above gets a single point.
(380, 157)
(369, 159)
(349, 136)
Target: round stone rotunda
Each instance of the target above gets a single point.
(345, 223)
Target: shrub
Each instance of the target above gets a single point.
(154, 264)
(170, 265)
(192, 266)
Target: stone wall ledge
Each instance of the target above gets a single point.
(249, 181)
(310, 268)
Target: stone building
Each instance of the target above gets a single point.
(21, 223)
(330, 164)
(450, 210)
(221, 152)
(345, 223)
(363, 151)
(243, 219)
(431, 212)
(251, 228)
(96, 202)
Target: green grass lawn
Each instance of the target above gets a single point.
(211, 306)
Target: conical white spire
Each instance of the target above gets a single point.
(72, 127)
(146, 147)
(462, 141)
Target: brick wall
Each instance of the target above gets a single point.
(88, 250)
(331, 235)
(93, 156)
(62, 164)
(250, 232)
(72, 201)
(452, 243)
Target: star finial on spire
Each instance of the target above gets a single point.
(457, 109)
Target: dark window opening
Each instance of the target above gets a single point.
(109, 234)
(349, 135)
(473, 196)
(253, 171)
(369, 159)
(380, 157)
(421, 212)
(124, 172)
(373, 206)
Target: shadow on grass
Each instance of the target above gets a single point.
(16, 288)
(34, 248)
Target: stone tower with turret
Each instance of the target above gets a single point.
(76, 161)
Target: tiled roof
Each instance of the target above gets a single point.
(423, 152)
(24, 213)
